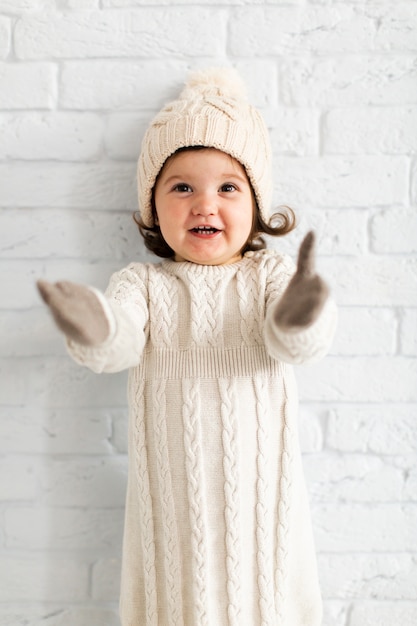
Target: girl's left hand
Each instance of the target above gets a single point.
(306, 294)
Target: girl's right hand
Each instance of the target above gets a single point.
(77, 311)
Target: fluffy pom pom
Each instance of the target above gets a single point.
(223, 81)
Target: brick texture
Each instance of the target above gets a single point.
(337, 84)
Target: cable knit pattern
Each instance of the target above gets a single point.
(232, 504)
(197, 506)
(250, 311)
(205, 313)
(285, 486)
(164, 321)
(263, 512)
(171, 544)
(146, 521)
(215, 523)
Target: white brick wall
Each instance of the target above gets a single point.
(337, 83)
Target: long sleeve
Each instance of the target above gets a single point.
(301, 346)
(124, 305)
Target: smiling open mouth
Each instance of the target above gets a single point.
(205, 230)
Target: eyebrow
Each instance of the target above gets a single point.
(226, 176)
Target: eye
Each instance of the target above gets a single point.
(228, 187)
(182, 188)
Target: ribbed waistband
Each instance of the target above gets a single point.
(209, 363)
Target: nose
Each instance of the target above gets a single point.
(204, 204)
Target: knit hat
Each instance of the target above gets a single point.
(212, 111)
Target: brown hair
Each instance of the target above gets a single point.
(279, 224)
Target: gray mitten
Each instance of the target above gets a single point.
(306, 294)
(77, 311)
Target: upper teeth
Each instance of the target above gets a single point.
(205, 228)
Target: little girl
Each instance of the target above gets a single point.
(217, 529)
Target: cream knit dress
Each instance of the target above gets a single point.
(217, 529)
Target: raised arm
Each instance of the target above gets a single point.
(306, 294)
(103, 332)
(77, 311)
(301, 324)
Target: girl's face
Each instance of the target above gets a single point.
(205, 206)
